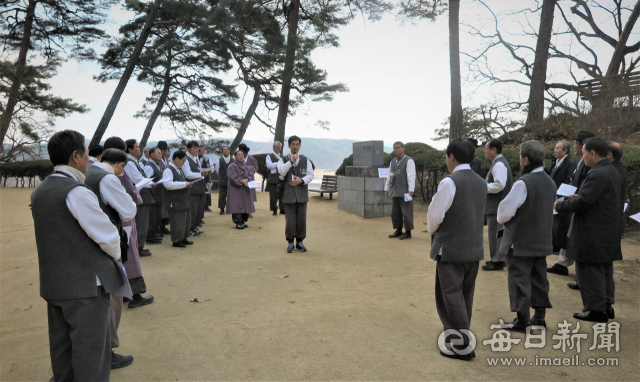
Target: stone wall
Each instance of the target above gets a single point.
(364, 197)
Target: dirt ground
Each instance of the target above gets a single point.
(356, 306)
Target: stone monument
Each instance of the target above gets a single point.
(361, 191)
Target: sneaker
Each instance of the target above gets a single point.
(290, 248)
(118, 360)
(140, 300)
(300, 247)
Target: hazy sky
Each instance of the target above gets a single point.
(398, 76)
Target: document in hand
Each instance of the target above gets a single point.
(407, 197)
(566, 190)
(208, 169)
(558, 200)
(253, 184)
(626, 205)
(160, 181)
(195, 180)
(143, 183)
(635, 217)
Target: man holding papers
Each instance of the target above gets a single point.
(137, 175)
(594, 237)
(153, 171)
(455, 221)
(191, 172)
(527, 216)
(176, 200)
(297, 172)
(399, 186)
(239, 203)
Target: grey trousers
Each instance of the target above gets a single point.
(180, 221)
(455, 286)
(494, 243)
(142, 224)
(275, 196)
(203, 204)
(597, 287)
(196, 207)
(222, 197)
(155, 218)
(528, 284)
(79, 338)
(295, 215)
(115, 313)
(402, 211)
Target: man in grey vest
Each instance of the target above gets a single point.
(499, 182)
(102, 178)
(137, 174)
(145, 158)
(400, 186)
(176, 199)
(223, 182)
(527, 215)
(455, 222)
(275, 181)
(164, 162)
(192, 173)
(77, 251)
(153, 171)
(297, 172)
(205, 163)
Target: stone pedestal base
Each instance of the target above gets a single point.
(363, 196)
(362, 171)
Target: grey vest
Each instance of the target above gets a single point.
(298, 194)
(530, 230)
(223, 180)
(68, 258)
(274, 178)
(176, 199)
(156, 192)
(460, 234)
(198, 187)
(493, 200)
(399, 184)
(94, 177)
(145, 193)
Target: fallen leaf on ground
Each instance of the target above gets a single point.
(194, 300)
(283, 277)
(292, 302)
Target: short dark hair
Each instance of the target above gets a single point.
(182, 148)
(226, 147)
(115, 143)
(462, 150)
(179, 155)
(238, 151)
(62, 144)
(616, 152)
(131, 143)
(534, 151)
(95, 151)
(294, 138)
(192, 144)
(152, 150)
(598, 145)
(495, 143)
(114, 156)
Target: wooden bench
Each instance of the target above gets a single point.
(329, 186)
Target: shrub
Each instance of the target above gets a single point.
(26, 169)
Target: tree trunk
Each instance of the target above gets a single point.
(247, 119)
(539, 76)
(455, 128)
(287, 75)
(159, 106)
(133, 60)
(618, 54)
(14, 92)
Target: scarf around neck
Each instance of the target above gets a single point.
(72, 170)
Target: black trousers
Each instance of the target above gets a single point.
(155, 220)
(180, 221)
(79, 343)
(203, 205)
(275, 196)
(597, 287)
(455, 286)
(222, 197)
(528, 283)
(207, 200)
(142, 224)
(296, 221)
(239, 218)
(197, 207)
(402, 211)
(561, 223)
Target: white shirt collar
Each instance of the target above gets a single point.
(462, 167)
(192, 157)
(131, 157)
(173, 165)
(277, 155)
(538, 169)
(499, 156)
(559, 161)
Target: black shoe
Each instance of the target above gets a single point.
(558, 270)
(245, 225)
(139, 300)
(300, 247)
(493, 266)
(207, 209)
(610, 312)
(165, 231)
(221, 212)
(118, 361)
(240, 226)
(539, 322)
(516, 326)
(144, 252)
(592, 315)
(275, 213)
(281, 212)
(447, 352)
(573, 286)
(154, 241)
(405, 236)
(160, 235)
(187, 242)
(179, 244)
(199, 225)
(290, 248)
(398, 233)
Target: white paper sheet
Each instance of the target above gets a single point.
(143, 183)
(557, 200)
(383, 173)
(407, 197)
(253, 184)
(128, 231)
(636, 217)
(626, 205)
(208, 169)
(566, 190)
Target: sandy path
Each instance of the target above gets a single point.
(357, 306)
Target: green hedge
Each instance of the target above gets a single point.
(25, 169)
